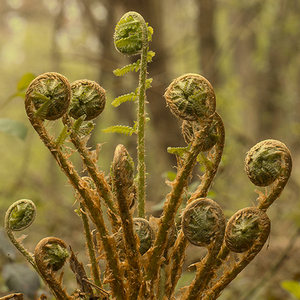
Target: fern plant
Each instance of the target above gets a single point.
(144, 256)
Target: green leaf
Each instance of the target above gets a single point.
(150, 55)
(179, 151)
(202, 159)
(126, 130)
(14, 128)
(63, 136)
(134, 67)
(150, 33)
(124, 98)
(25, 81)
(133, 96)
(292, 286)
(148, 83)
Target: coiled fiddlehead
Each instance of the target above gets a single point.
(50, 94)
(19, 216)
(246, 233)
(50, 255)
(245, 228)
(203, 222)
(129, 37)
(191, 97)
(88, 99)
(266, 162)
(144, 232)
(269, 162)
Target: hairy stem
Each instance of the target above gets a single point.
(177, 255)
(91, 249)
(174, 199)
(117, 285)
(102, 186)
(141, 126)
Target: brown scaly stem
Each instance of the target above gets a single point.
(122, 178)
(172, 204)
(95, 270)
(117, 285)
(210, 172)
(177, 255)
(221, 284)
(101, 184)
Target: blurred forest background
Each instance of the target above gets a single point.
(248, 50)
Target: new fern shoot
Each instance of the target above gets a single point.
(143, 255)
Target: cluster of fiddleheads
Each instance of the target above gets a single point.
(145, 255)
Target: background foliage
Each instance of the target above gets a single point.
(248, 50)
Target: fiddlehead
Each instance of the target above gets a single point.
(50, 255)
(129, 37)
(268, 162)
(88, 99)
(245, 228)
(246, 233)
(203, 224)
(144, 232)
(50, 95)
(19, 216)
(191, 97)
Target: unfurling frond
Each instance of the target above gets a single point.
(126, 130)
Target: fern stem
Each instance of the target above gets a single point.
(117, 286)
(90, 245)
(101, 184)
(141, 168)
(173, 202)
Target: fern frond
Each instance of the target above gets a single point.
(150, 33)
(63, 136)
(124, 98)
(125, 130)
(179, 151)
(148, 83)
(134, 67)
(150, 55)
(77, 124)
(201, 158)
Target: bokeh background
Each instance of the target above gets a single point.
(248, 50)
